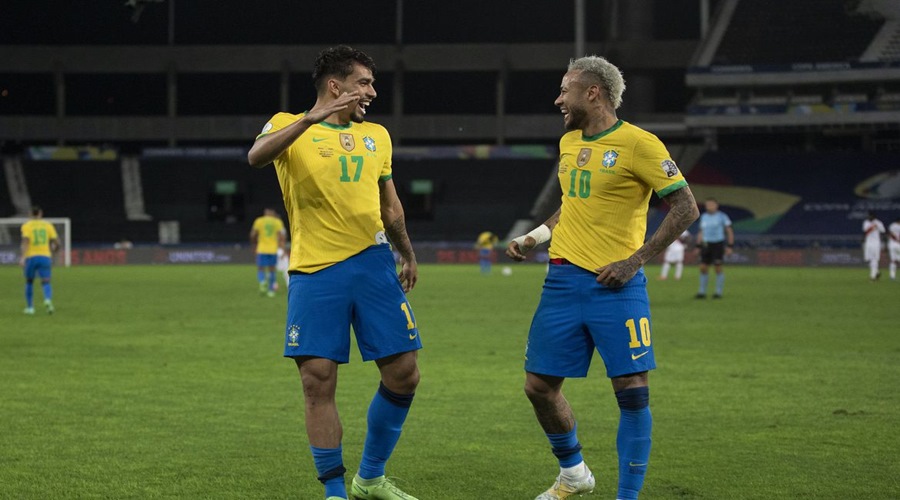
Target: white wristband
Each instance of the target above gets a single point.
(540, 234)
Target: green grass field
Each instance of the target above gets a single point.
(168, 382)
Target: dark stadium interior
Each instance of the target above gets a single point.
(712, 78)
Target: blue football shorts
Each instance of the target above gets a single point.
(266, 259)
(363, 292)
(37, 266)
(576, 315)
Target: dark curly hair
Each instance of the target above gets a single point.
(338, 61)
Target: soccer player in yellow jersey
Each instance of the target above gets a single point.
(485, 245)
(39, 241)
(335, 174)
(595, 293)
(268, 234)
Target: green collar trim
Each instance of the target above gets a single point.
(602, 134)
(336, 127)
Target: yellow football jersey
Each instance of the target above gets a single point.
(606, 181)
(267, 230)
(329, 180)
(39, 234)
(486, 240)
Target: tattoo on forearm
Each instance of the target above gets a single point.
(682, 213)
(554, 219)
(396, 231)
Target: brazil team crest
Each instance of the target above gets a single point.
(293, 335)
(369, 143)
(348, 142)
(669, 168)
(609, 158)
(584, 156)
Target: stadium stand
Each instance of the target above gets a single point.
(88, 192)
(768, 32)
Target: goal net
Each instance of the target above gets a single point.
(11, 239)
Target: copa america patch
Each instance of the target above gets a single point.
(669, 168)
(267, 128)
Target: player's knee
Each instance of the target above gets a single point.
(633, 399)
(537, 390)
(406, 381)
(319, 382)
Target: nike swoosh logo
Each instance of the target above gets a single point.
(632, 464)
(636, 356)
(413, 337)
(319, 139)
(363, 490)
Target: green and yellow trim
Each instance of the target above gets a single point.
(336, 127)
(590, 138)
(662, 193)
(385, 178)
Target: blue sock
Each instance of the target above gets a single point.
(566, 447)
(704, 280)
(330, 466)
(29, 294)
(385, 419)
(633, 440)
(260, 276)
(48, 292)
(720, 283)
(271, 280)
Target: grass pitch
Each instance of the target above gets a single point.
(168, 382)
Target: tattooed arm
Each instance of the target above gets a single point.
(395, 227)
(682, 213)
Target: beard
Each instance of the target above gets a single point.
(577, 117)
(357, 116)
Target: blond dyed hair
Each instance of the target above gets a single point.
(605, 72)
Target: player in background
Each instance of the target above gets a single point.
(39, 242)
(334, 169)
(595, 294)
(894, 246)
(872, 230)
(485, 244)
(268, 235)
(675, 256)
(715, 241)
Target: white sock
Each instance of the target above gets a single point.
(574, 472)
(665, 270)
(893, 270)
(679, 267)
(873, 268)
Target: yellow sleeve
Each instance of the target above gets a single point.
(25, 229)
(51, 232)
(280, 225)
(386, 168)
(278, 122)
(654, 166)
(256, 224)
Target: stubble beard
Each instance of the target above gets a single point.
(577, 117)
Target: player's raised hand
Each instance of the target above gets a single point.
(320, 112)
(517, 252)
(409, 274)
(616, 274)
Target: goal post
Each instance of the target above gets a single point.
(10, 234)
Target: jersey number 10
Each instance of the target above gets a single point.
(583, 184)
